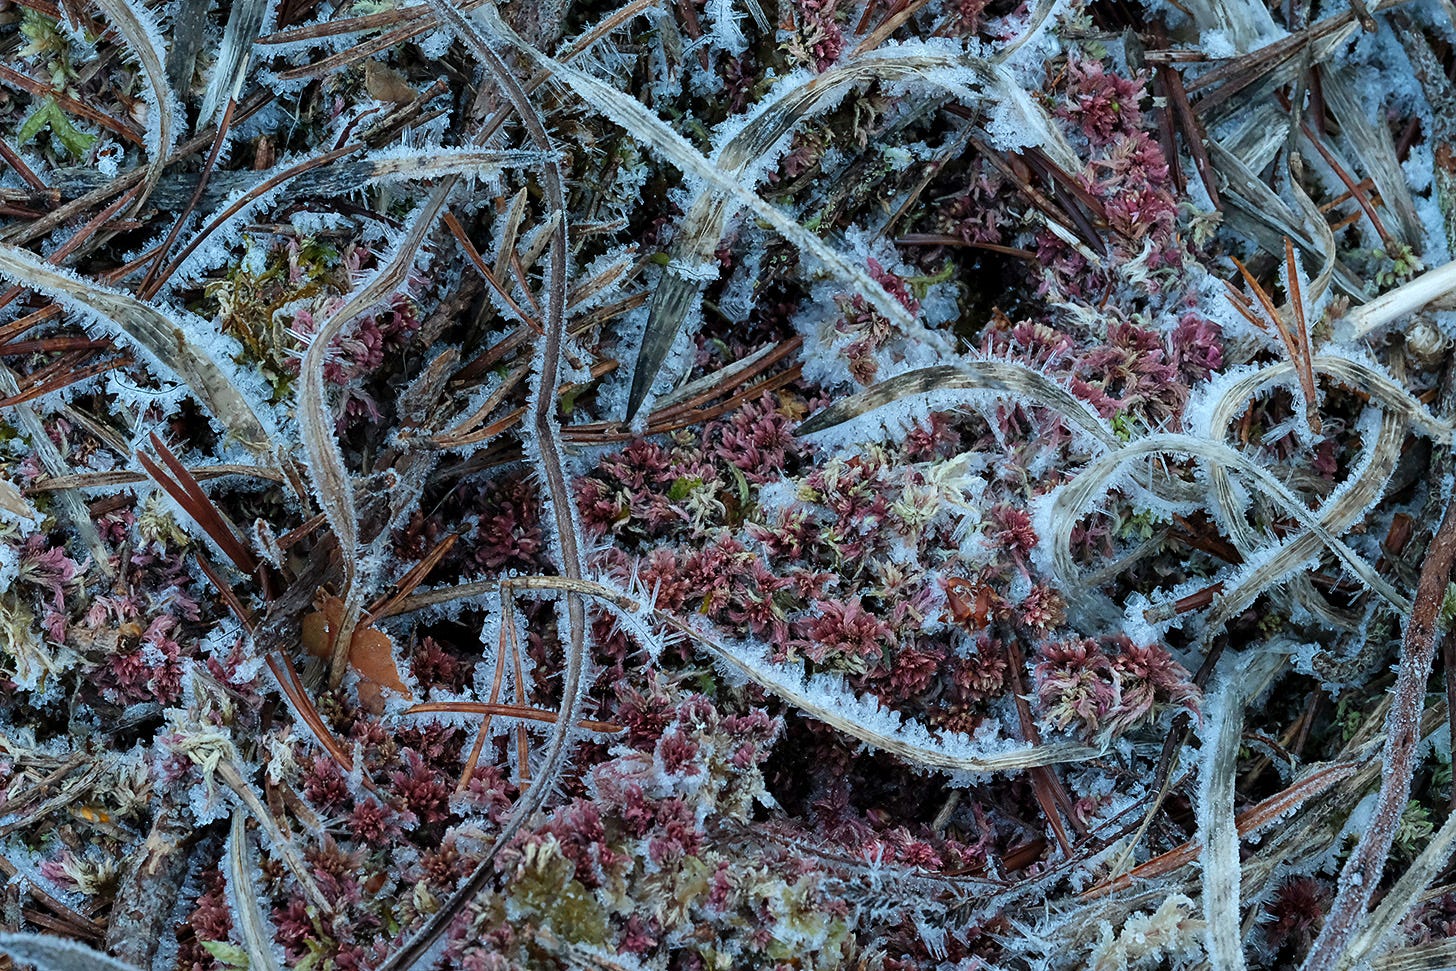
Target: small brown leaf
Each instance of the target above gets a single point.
(371, 652)
(386, 84)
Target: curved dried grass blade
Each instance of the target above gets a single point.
(424, 947)
(1365, 485)
(834, 704)
(164, 341)
(325, 174)
(251, 925)
(142, 32)
(1057, 513)
(1003, 377)
(849, 713)
(1342, 510)
(333, 486)
(701, 230)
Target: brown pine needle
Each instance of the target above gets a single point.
(1292, 346)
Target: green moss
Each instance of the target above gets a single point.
(546, 891)
(252, 301)
(64, 135)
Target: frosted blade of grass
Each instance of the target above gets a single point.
(1440, 94)
(744, 159)
(1041, 10)
(822, 698)
(1235, 389)
(333, 174)
(162, 340)
(332, 483)
(251, 925)
(1435, 956)
(1324, 248)
(1375, 150)
(1058, 512)
(543, 437)
(1361, 872)
(642, 124)
(1217, 828)
(1406, 893)
(1008, 378)
(831, 702)
(835, 705)
(723, 377)
(1344, 510)
(282, 847)
(1257, 134)
(188, 23)
(137, 25)
(13, 504)
(507, 233)
(49, 953)
(71, 503)
(1267, 217)
(244, 24)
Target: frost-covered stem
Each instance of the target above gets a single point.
(1404, 895)
(1404, 299)
(228, 770)
(546, 430)
(1362, 871)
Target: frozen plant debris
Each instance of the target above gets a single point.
(909, 486)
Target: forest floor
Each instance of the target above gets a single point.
(877, 484)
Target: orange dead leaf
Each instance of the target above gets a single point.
(371, 652)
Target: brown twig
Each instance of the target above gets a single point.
(1362, 871)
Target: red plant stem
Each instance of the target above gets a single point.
(151, 283)
(1361, 874)
(12, 158)
(1351, 185)
(1043, 780)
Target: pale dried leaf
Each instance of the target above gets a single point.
(252, 927)
(144, 35)
(165, 341)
